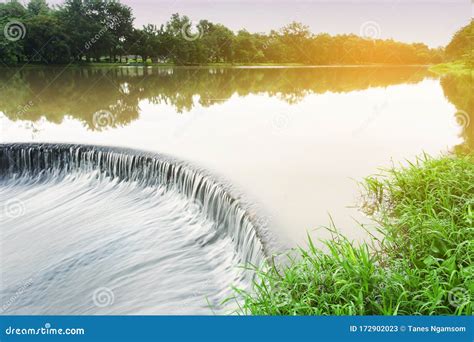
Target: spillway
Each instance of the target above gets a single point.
(102, 230)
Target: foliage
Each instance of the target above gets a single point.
(421, 265)
(458, 67)
(102, 31)
(462, 45)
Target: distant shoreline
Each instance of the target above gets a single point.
(220, 65)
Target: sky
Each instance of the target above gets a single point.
(428, 21)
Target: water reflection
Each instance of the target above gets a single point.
(295, 140)
(54, 93)
(459, 90)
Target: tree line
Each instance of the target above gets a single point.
(461, 47)
(84, 31)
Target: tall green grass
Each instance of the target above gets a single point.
(421, 264)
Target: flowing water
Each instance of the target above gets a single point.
(98, 230)
(91, 227)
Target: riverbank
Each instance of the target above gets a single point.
(421, 264)
(215, 65)
(457, 68)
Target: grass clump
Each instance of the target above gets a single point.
(456, 67)
(421, 264)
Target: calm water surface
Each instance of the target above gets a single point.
(295, 140)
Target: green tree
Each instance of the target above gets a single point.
(462, 43)
(36, 7)
(145, 42)
(217, 42)
(296, 36)
(46, 41)
(245, 48)
(118, 20)
(96, 30)
(12, 17)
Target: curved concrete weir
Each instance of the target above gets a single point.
(101, 230)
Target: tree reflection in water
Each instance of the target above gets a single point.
(84, 93)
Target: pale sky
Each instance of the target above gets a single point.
(429, 21)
